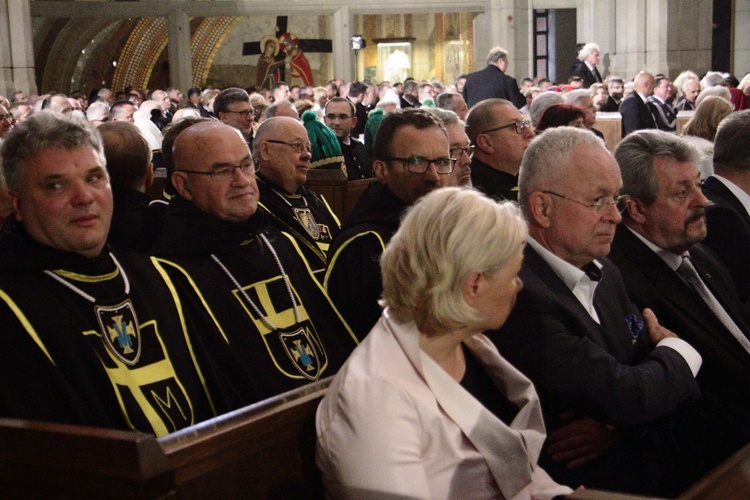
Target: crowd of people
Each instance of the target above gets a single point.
(510, 308)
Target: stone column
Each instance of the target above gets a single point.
(741, 38)
(343, 57)
(16, 48)
(180, 62)
(505, 23)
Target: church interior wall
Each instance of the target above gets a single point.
(741, 42)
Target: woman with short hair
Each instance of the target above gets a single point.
(426, 407)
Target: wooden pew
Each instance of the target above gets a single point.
(266, 450)
(683, 117)
(610, 125)
(341, 194)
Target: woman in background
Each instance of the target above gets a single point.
(426, 407)
(700, 131)
(561, 115)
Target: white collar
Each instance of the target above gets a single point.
(741, 195)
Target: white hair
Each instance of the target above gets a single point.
(587, 50)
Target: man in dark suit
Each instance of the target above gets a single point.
(728, 217)
(634, 108)
(604, 373)
(493, 82)
(615, 88)
(410, 95)
(586, 68)
(665, 267)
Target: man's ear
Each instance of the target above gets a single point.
(635, 210)
(150, 176)
(540, 207)
(484, 144)
(380, 170)
(16, 206)
(180, 183)
(354, 121)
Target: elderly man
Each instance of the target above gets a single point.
(663, 113)
(411, 159)
(492, 82)
(582, 99)
(282, 152)
(728, 217)
(262, 315)
(586, 70)
(93, 336)
(690, 91)
(605, 375)
(461, 148)
(636, 114)
(453, 101)
(500, 136)
(340, 115)
(57, 102)
(666, 268)
(232, 107)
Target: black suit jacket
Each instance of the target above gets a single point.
(606, 371)
(664, 114)
(611, 105)
(584, 73)
(635, 114)
(729, 233)
(652, 283)
(489, 83)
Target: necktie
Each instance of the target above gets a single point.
(688, 273)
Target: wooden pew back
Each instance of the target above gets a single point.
(261, 451)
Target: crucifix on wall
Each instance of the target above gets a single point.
(281, 48)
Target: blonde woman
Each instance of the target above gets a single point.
(701, 130)
(426, 407)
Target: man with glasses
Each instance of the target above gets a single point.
(339, 115)
(264, 319)
(501, 136)
(666, 268)
(605, 374)
(282, 152)
(232, 107)
(411, 158)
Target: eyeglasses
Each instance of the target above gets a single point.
(599, 204)
(340, 117)
(419, 165)
(243, 114)
(247, 167)
(458, 152)
(297, 146)
(6, 117)
(520, 127)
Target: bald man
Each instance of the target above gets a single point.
(263, 317)
(282, 152)
(636, 114)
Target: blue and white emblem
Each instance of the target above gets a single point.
(300, 348)
(120, 332)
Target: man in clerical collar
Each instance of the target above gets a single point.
(282, 152)
(412, 158)
(339, 115)
(500, 135)
(262, 315)
(91, 336)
